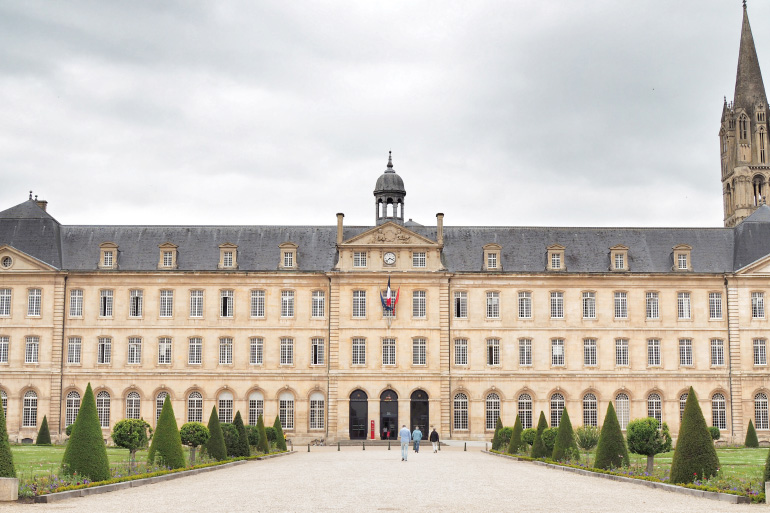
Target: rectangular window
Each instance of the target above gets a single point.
(557, 305)
(227, 259)
(4, 343)
(757, 305)
(164, 350)
(108, 259)
(287, 303)
(589, 305)
(461, 351)
(104, 353)
(226, 303)
(589, 352)
(419, 301)
(621, 352)
(225, 351)
(525, 305)
(682, 261)
(555, 260)
(34, 297)
(359, 304)
(288, 259)
(166, 303)
(256, 350)
(74, 350)
(316, 413)
(419, 350)
(493, 351)
(258, 303)
(685, 352)
(620, 261)
(135, 303)
(31, 350)
(557, 351)
(76, 303)
(621, 305)
(493, 305)
(683, 305)
(196, 303)
(491, 260)
(5, 302)
(525, 352)
(653, 311)
(359, 259)
(418, 259)
(168, 259)
(134, 351)
(717, 352)
(317, 351)
(389, 351)
(760, 352)
(195, 351)
(105, 303)
(318, 308)
(461, 305)
(287, 351)
(653, 352)
(715, 305)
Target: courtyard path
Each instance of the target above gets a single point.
(376, 480)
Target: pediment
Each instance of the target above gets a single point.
(759, 267)
(390, 234)
(228, 245)
(21, 261)
(619, 247)
(557, 247)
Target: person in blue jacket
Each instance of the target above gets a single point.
(416, 436)
(406, 437)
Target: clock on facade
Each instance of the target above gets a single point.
(389, 258)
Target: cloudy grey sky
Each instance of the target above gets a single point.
(563, 113)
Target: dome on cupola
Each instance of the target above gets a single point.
(389, 195)
(389, 181)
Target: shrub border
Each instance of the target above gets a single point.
(692, 491)
(112, 485)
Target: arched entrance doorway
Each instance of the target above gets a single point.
(419, 410)
(359, 416)
(388, 415)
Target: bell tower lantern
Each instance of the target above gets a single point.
(389, 196)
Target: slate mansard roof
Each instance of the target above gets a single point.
(30, 229)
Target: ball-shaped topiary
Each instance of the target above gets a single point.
(645, 438)
(538, 447)
(166, 446)
(528, 436)
(565, 448)
(86, 454)
(751, 436)
(263, 444)
(243, 438)
(270, 433)
(549, 440)
(193, 434)
(515, 443)
(611, 451)
(131, 434)
(216, 447)
(43, 435)
(280, 438)
(7, 468)
(694, 456)
(496, 437)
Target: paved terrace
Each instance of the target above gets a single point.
(376, 480)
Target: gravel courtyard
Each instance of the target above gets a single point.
(377, 480)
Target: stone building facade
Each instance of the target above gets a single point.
(291, 320)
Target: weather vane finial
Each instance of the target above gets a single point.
(30, 194)
(744, 4)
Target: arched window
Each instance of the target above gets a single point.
(159, 400)
(492, 411)
(316, 410)
(195, 407)
(758, 184)
(29, 415)
(743, 127)
(225, 407)
(760, 411)
(590, 417)
(682, 404)
(762, 146)
(525, 411)
(256, 407)
(729, 199)
(719, 411)
(655, 407)
(622, 408)
(4, 399)
(461, 411)
(286, 410)
(132, 405)
(72, 408)
(557, 406)
(103, 408)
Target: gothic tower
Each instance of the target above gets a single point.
(389, 196)
(743, 136)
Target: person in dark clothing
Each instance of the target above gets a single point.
(434, 439)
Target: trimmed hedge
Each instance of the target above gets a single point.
(565, 448)
(243, 440)
(751, 436)
(611, 451)
(6, 457)
(166, 445)
(215, 447)
(528, 436)
(230, 434)
(86, 454)
(694, 456)
(264, 443)
(280, 438)
(43, 435)
(538, 447)
(515, 444)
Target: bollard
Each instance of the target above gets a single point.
(363, 445)
(767, 489)
(388, 444)
(338, 447)
(308, 447)
(465, 446)
(486, 446)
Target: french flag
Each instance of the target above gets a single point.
(388, 301)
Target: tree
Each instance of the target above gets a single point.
(263, 445)
(751, 436)
(44, 435)
(695, 456)
(549, 440)
(528, 436)
(230, 434)
(565, 448)
(611, 451)
(252, 432)
(166, 446)
(645, 438)
(243, 439)
(587, 437)
(496, 437)
(86, 454)
(131, 434)
(715, 433)
(538, 447)
(7, 468)
(280, 438)
(194, 434)
(215, 447)
(515, 444)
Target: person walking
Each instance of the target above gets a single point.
(406, 437)
(434, 439)
(416, 436)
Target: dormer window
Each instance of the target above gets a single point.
(682, 257)
(492, 257)
(228, 256)
(288, 255)
(619, 258)
(168, 254)
(556, 258)
(108, 255)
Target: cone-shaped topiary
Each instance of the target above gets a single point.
(263, 445)
(85, 452)
(6, 458)
(515, 444)
(280, 439)
(751, 436)
(694, 456)
(166, 445)
(496, 437)
(565, 448)
(611, 451)
(215, 447)
(43, 436)
(538, 447)
(243, 438)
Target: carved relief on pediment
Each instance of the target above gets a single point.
(390, 235)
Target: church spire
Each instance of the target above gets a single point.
(749, 88)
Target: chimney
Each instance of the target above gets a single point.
(41, 203)
(440, 228)
(339, 227)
